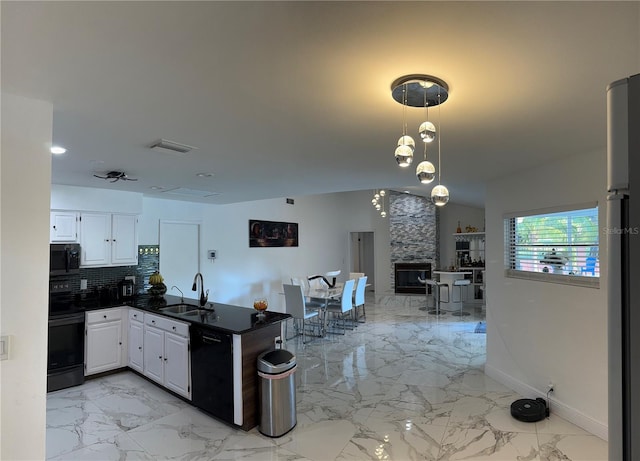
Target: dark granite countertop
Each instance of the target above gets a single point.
(223, 317)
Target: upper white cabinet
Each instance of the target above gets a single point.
(64, 226)
(124, 239)
(108, 239)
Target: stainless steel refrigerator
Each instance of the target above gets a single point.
(623, 274)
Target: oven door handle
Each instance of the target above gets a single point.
(70, 320)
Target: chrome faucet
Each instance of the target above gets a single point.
(181, 293)
(194, 287)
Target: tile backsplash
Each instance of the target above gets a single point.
(105, 277)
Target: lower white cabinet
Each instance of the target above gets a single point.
(153, 345)
(136, 340)
(104, 348)
(166, 353)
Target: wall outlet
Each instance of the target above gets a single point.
(550, 387)
(212, 254)
(83, 284)
(278, 342)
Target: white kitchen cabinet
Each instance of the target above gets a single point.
(136, 340)
(166, 353)
(124, 240)
(64, 226)
(104, 345)
(108, 239)
(177, 363)
(154, 353)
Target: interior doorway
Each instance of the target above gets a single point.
(362, 256)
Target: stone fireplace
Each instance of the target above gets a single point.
(414, 241)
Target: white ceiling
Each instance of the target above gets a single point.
(293, 98)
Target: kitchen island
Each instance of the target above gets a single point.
(216, 349)
(225, 343)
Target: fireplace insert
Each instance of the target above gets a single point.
(407, 277)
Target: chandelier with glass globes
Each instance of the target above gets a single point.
(423, 91)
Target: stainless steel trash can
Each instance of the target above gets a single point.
(277, 392)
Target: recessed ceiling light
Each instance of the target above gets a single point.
(57, 150)
(156, 188)
(205, 175)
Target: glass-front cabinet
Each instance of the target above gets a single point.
(470, 257)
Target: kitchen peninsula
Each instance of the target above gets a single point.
(207, 355)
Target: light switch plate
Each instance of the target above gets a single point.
(4, 347)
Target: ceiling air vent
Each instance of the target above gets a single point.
(170, 147)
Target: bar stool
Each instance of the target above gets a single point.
(436, 288)
(462, 284)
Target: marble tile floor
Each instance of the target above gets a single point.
(405, 385)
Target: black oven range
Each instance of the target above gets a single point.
(65, 363)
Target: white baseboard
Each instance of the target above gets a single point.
(564, 411)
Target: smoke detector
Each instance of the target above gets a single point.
(170, 147)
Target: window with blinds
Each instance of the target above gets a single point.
(554, 245)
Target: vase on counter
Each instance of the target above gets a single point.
(157, 288)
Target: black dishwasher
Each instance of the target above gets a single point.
(212, 372)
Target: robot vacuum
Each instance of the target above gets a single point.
(529, 410)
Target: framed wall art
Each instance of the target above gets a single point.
(272, 234)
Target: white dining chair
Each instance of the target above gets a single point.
(344, 305)
(304, 283)
(295, 305)
(358, 299)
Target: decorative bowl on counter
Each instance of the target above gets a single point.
(260, 304)
(157, 288)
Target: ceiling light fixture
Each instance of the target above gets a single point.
(205, 175)
(378, 201)
(406, 144)
(418, 90)
(440, 193)
(57, 150)
(426, 172)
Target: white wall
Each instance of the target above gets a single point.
(448, 219)
(87, 199)
(240, 273)
(24, 279)
(539, 332)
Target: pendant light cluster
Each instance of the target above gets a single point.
(378, 201)
(421, 91)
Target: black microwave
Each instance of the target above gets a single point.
(64, 259)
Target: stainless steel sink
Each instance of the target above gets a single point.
(181, 309)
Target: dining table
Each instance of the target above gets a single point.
(323, 296)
